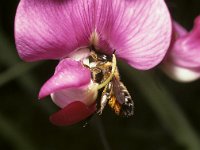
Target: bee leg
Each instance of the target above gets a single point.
(106, 95)
(97, 74)
(104, 100)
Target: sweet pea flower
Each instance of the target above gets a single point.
(182, 62)
(138, 30)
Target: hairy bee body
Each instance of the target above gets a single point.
(123, 98)
(114, 93)
(99, 65)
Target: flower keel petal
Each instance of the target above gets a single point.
(71, 114)
(68, 74)
(86, 94)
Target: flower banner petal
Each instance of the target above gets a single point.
(186, 49)
(72, 113)
(139, 30)
(49, 29)
(68, 74)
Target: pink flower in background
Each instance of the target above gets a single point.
(139, 31)
(183, 59)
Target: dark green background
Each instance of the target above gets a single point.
(24, 121)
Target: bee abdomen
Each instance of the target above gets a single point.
(115, 105)
(127, 108)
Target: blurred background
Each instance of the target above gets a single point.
(166, 112)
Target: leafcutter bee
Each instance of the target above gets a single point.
(104, 72)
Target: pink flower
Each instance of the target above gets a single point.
(183, 59)
(139, 31)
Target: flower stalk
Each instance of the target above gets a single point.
(165, 107)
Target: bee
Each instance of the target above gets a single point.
(114, 93)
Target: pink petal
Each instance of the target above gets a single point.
(179, 73)
(178, 30)
(50, 29)
(68, 74)
(72, 113)
(139, 30)
(86, 94)
(186, 49)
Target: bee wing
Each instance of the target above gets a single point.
(123, 97)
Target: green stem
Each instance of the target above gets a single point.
(11, 133)
(8, 53)
(15, 71)
(10, 58)
(165, 107)
(97, 123)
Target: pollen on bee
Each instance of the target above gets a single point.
(114, 104)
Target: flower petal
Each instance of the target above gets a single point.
(186, 49)
(180, 74)
(178, 30)
(139, 30)
(72, 113)
(86, 94)
(49, 29)
(68, 74)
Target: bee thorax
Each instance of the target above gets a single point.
(104, 72)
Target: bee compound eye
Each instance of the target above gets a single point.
(103, 57)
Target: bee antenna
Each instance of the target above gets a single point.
(114, 51)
